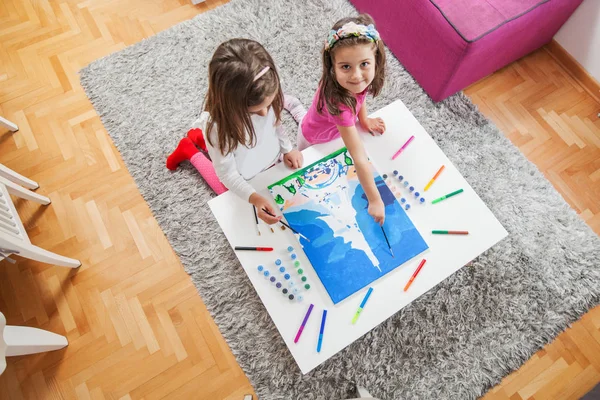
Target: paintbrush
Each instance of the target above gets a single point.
(387, 241)
(286, 225)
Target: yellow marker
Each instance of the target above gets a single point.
(434, 178)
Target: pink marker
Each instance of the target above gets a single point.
(303, 323)
(403, 147)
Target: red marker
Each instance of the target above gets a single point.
(412, 278)
(254, 248)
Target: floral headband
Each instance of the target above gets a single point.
(351, 29)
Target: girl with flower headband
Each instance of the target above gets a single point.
(353, 66)
(240, 127)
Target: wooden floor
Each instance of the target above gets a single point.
(137, 327)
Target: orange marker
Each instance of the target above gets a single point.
(434, 178)
(412, 278)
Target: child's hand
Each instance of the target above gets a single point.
(377, 211)
(375, 125)
(261, 203)
(293, 159)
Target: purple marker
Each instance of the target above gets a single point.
(303, 323)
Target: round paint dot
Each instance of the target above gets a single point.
(291, 297)
(293, 256)
(407, 207)
(400, 178)
(405, 183)
(266, 274)
(417, 194)
(260, 268)
(307, 286)
(284, 291)
(297, 263)
(290, 283)
(411, 188)
(422, 200)
(299, 298)
(282, 228)
(290, 248)
(278, 262)
(278, 284)
(395, 172)
(281, 269)
(287, 276)
(303, 279)
(300, 271)
(384, 176)
(296, 291)
(403, 200)
(272, 279)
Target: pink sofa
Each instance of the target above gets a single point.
(448, 44)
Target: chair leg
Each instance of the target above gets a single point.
(362, 392)
(22, 340)
(9, 125)
(17, 178)
(23, 193)
(32, 252)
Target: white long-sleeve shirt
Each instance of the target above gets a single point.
(241, 165)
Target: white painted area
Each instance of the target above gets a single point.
(580, 36)
(446, 254)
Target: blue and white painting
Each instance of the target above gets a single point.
(326, 204)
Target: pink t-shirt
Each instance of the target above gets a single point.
(322, 128)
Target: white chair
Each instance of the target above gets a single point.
(23, 340)
(9, 125)
(13, 237)
(17, 178)
(363, 394)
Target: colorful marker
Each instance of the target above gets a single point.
(450, 232)
(410, 139)
(256, 219)
(253, 248)
(447, 196)
(434, 177)
(412, 278)
(362, 305)
(303, 323)
(321, 331)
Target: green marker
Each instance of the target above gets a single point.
(446, 196)
(362, 305)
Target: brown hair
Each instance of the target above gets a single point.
(331, 94)
(232, 89)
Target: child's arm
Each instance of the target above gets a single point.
(228, 174)
(291, 157)
(365, 176)
(370, 124)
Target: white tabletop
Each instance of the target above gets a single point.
(446, 254)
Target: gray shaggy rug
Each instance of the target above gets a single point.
(456, 341)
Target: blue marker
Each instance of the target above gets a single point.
(321, 331)
(362, 305)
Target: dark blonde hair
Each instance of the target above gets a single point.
(331, 94)
(232, 89)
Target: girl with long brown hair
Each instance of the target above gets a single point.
(353, 66)
(240, 127)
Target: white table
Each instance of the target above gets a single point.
(446, 254)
